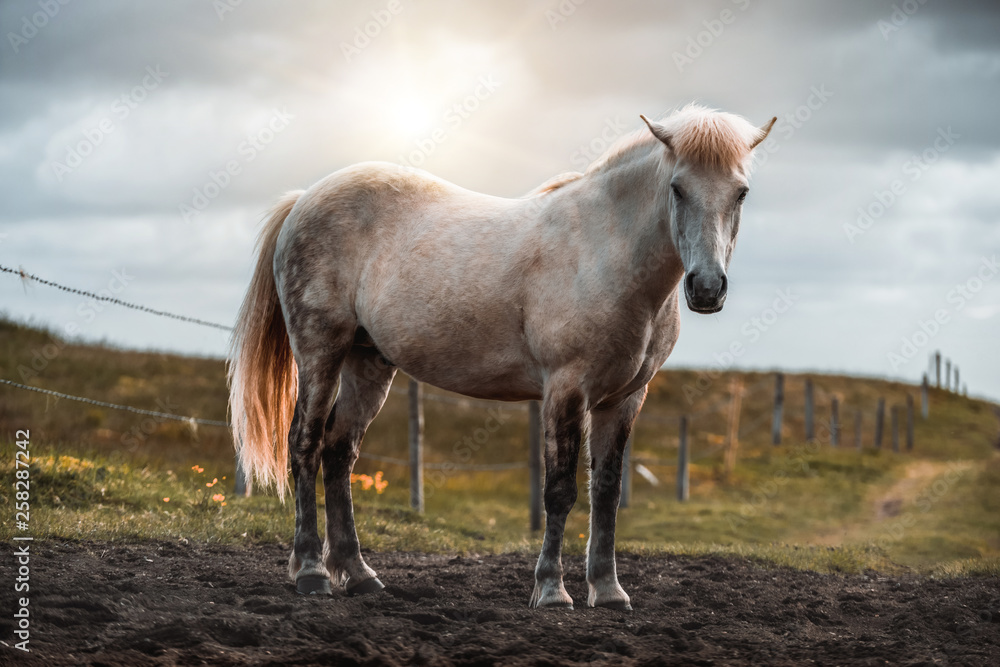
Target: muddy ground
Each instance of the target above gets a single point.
(168, 603)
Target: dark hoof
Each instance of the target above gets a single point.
(617, 605)
(313, 585)
(367, 586)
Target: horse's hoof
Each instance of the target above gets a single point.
(617, 605)
(557, 605)
(313, 585)
(367, 586)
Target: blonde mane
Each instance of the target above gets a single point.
(697, 134)
(555, 183)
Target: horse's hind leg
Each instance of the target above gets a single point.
(564, 417)
(319, 364)
(364, 386)
(609, 433)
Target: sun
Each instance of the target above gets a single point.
(408, 90)
(413, 116)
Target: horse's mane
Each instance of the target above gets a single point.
(705, 136)
(555, 183)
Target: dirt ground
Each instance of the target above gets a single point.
(169, 603)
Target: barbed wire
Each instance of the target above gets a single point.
(110, 299)
(484, 467)
(465, 402)
(127, 408)
(521, 407)
(473, 467)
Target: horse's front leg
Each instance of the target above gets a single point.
(563, 416)
(610, 430)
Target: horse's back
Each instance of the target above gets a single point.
(430, 270)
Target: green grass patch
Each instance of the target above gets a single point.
(102, 474)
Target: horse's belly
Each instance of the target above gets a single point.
(479, 359)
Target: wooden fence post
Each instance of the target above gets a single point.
(535, 448)
(894, 415)
(240, 487)
(416, 446)
(779, 401)
(810, 427)
(924, 405)
(626, 496)
(733, 442)
(857, 429)
(947, 375)
(957, 385)
(682, 462)
(909, 423)
(879, 422)
(835, 421)
(937, 369)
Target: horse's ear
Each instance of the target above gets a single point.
(763, 132)
(658, 131)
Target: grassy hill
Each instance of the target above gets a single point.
(104, 473)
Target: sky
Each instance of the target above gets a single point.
(141, 143)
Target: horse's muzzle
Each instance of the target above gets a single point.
(705, 292)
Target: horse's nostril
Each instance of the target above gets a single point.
(689, 284)
(723, 287)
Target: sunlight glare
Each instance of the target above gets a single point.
(413, 117)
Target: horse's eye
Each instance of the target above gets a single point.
(677, 191)
(742, 197)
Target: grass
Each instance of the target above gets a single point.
(103, 474)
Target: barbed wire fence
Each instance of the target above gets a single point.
(682, 421)
(29, 278)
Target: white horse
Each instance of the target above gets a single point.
(568, 295)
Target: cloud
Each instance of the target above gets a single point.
(562, 83)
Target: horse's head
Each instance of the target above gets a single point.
(710, 154)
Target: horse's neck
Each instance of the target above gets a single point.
(633, 193)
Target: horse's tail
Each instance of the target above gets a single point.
(263, 379)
